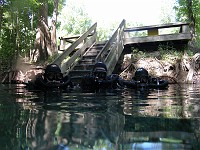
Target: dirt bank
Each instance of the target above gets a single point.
(176, 70)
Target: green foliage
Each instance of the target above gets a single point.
(136, 33)
(139, 54)
(182, 14)
(105, 33)
(18, 26)
(16, 31)
(73, 21)
(52, 58)
(166, 17)
(189, 52)
(181, 8)
(168, 51)
(7, 47)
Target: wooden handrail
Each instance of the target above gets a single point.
(71, 37)
(153, 33)
(112, 48)
(169, 25)
(68, 64)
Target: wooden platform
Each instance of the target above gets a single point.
(74, 60)
(153, 35)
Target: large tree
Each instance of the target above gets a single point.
(45, 42)
(15, 30)
(19, 21)
(1, 14)
(189, 11)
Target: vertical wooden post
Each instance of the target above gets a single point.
(184, 29)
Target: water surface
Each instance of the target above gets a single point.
(114, 120)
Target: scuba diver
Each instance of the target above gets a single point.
(142, 80)
(99, 80)
(52, 79)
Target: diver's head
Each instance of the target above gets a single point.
(100, 70)
(53, 73)
(141, 75)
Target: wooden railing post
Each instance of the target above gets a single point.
(185, 29)
(126, 34)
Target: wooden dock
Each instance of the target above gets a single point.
(83, 51)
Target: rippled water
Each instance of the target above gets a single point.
(114, 120)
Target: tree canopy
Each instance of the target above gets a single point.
(18, 24)
(29, 28)
(189, 11)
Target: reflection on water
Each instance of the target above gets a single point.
(116, 120)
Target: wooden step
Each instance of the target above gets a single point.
(99, 43)
(97, 47)
(84, 67)
(92, 52)
(86, 64)
(86, 61)
(79, 72)
(89, 57)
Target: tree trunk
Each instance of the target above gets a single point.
(1, 16)
(45, 42)
(54, 21)
(43, 38)
(192, 68)
(192, 21)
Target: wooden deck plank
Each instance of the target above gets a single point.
(159, 38)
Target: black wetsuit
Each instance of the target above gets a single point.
(90, 83)
(151, 83)
(41, 84)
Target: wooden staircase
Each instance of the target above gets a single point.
(79, 58)
(86, 64)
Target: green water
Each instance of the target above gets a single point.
(116, 120)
